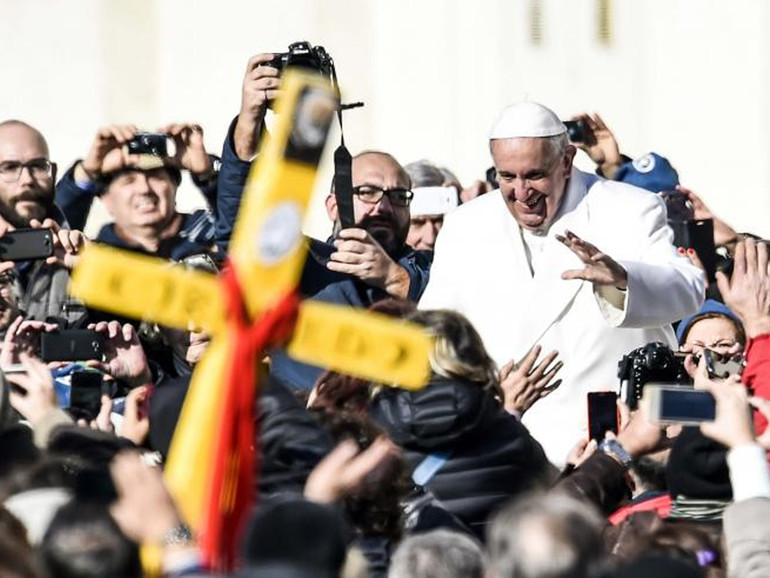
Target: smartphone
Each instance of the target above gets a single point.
(86, 393)
(71, 345)
(602, 414)
(721, 367)
(675, 404)
(575, 130)
(698, 235)
(26, 245)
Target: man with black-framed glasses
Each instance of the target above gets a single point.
(356, 266)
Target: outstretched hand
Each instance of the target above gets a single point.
(747, 292)
(600, 269)
(525, 383)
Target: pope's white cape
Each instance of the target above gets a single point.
(480, 269)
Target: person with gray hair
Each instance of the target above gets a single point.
(563, 260)
(545, 536)
(437, 554)
(435, 194)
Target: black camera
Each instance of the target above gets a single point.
(304, 55)
(576, 130)
(652, 362)
(148, 143)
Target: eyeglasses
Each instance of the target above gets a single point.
(372, 195)
(10, 171)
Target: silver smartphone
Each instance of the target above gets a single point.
(668, 403)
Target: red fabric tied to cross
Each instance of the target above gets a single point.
(235, 462)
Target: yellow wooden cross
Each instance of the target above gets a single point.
(268, 251)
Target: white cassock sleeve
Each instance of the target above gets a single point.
(441, 292)
(663, 286)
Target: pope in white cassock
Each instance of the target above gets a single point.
(565, 260)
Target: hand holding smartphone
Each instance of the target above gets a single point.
(71, 345)
(668, 403)
(26, 245)
(602, 414)
(720, 366)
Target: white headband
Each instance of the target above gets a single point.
(433, 201)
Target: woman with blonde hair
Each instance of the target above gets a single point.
(461, 443)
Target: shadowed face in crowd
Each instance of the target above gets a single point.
(423, 231)
(533, 178)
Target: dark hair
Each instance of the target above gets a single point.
(83, 541)
(683, 541)
(105, 180)
(375, 508)
(716, 315)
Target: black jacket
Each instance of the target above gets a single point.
(492, 457)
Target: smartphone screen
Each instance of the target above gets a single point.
(679, 405)
(602, 414)
(86, 393)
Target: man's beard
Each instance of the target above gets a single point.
(8, 212)
(387, 232)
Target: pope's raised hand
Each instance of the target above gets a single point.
(600, 268)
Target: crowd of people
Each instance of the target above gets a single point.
(539, 285)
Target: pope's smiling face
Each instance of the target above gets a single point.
(533, 178)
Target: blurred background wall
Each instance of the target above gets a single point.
(689, 79)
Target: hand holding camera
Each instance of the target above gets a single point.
(106, 154)
(260, 86)
(190, 152)
(592, 135)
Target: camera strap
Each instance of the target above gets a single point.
(343, 170)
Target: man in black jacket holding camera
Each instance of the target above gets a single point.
(358, 265)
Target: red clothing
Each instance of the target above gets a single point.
(756, 375)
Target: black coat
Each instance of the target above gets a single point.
(492, 455)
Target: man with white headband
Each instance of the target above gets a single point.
(433, 198)
(564, 260)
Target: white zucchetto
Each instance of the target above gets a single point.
(527, 119)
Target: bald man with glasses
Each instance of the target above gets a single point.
(27, 178)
